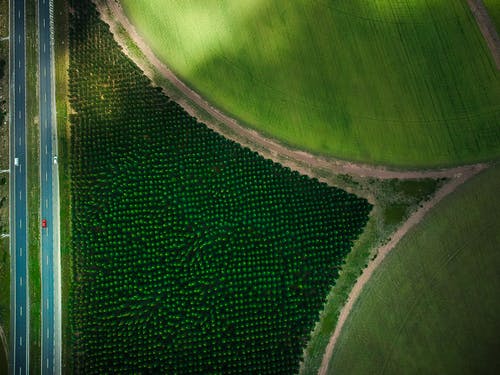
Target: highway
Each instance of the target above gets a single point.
(19, 353)
(49, 203)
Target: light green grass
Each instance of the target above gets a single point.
(493, 7)
(433, 305)
(61, 65)
(397, 82)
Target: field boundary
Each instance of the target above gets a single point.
(487, 28)
(141, 54)
(382, 253)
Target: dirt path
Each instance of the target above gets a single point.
(382, 253)
(304, 162)
(487, 28)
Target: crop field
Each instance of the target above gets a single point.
(191, 254)
(433, 305)
(373, 81)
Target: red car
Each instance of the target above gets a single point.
(44, 223)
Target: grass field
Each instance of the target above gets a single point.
(493, 7)
(433, 305)
(191, 254)
(379, 82)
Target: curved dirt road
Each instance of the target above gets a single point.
(383, 251)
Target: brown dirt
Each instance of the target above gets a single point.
(304, 162)
(487, 28)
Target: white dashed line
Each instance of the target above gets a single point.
(21, 281)
(20, 311)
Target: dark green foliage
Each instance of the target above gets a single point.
(191, 254)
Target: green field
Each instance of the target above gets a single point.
(190, 254)
(493, 7)
(407, 83)
(433, 305)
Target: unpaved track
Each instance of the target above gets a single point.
(487, 28)
(304, 162)
(381, 255)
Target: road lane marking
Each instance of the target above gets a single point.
(46, 259)
(19, 63)
(47, 307)
(44, 22)
(20, 223)
(44, 45)
(20, 198)
(47, 333)
(18, 14)
(19, 114)
(46, 177)
(20, 251)
(47, 363)
(19, 141)
(19, 87)
(46, 203)
(45, 96)
(21, 310)
(20, 370)
(46, 152)
(20, 280)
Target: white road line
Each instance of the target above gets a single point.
(20, 251)
(44, 45)
(19, 87)
(47, 333)
(46, 150)
(19, 14)
(20, 223)
(46, 177)
(46, 203)
(19, 114)
(20, 342)
(46, 259)
(21, 310)
(20, 191)
(20, 370)
(45, 96)
(47, 307)
(44, 72)
(20, 280)
(19, 63)
(47, 363)
(19, 141)
(44, 22)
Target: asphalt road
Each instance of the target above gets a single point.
(19, 354)
(50, 307)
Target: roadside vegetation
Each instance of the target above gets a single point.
(61, 55)
(4, 189)
(432, 306)
(382, 83)
(188, 250)
(33, 167)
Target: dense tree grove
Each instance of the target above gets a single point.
(191, 254)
